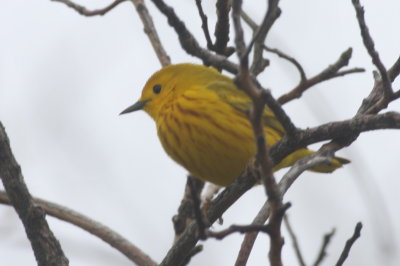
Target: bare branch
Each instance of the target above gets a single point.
(151, 32)
(260, 35)
(89, 13)
(185, 210)
(45, 246)
(349, 244)
(394, 71)
(335, 130)
(330, 72)
(249, 21)
(238, 229)
(101, 231)
(198, 215)
(221, 32)
(244, 82)
(322, 252)
(287, 180)
(250, 238)
(190, 44)
(369, 44)
(204, 25)
(217, 207)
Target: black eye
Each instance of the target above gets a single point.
(157, 88)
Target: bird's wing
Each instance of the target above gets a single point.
(239, 100)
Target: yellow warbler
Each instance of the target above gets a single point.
(202, 124)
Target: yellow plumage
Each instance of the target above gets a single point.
(202, 123)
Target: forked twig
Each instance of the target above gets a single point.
(332, 71)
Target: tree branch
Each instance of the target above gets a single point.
(349, 244)
(260, 35)
(238, 229)
(287, 180)
(332, 71)
(221, 32)
(93, 227)
(190, 44)
(369, 44)
(151, 32)
(335, 130)
(250, 238)
(185, 244)
(322, 252)
(45, 246)
(204, 25)
(244, 82)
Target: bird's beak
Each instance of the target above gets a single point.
(135, 107)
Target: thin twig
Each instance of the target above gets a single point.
(190, 44)
(238, 229)
(322, 252)
(249, 21)
(151, 32)
(369, 44)
(204, 25)
(260, 35)
(45, 246)
(328, 73)
(290, 59)
(296, 245)
(95, 228)
(89, 13)
(250, 238)
(349, 244)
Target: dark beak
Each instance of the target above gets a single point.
(135, 107)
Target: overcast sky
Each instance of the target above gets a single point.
(65, 78)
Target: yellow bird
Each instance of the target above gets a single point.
(202, 124)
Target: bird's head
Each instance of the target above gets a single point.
(168, 83)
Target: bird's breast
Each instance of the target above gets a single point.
(209, 138)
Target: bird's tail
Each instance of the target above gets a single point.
(334, 164)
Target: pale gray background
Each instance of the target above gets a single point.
(64, 78)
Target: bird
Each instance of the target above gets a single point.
(202, 122)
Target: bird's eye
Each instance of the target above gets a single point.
(157, 88)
